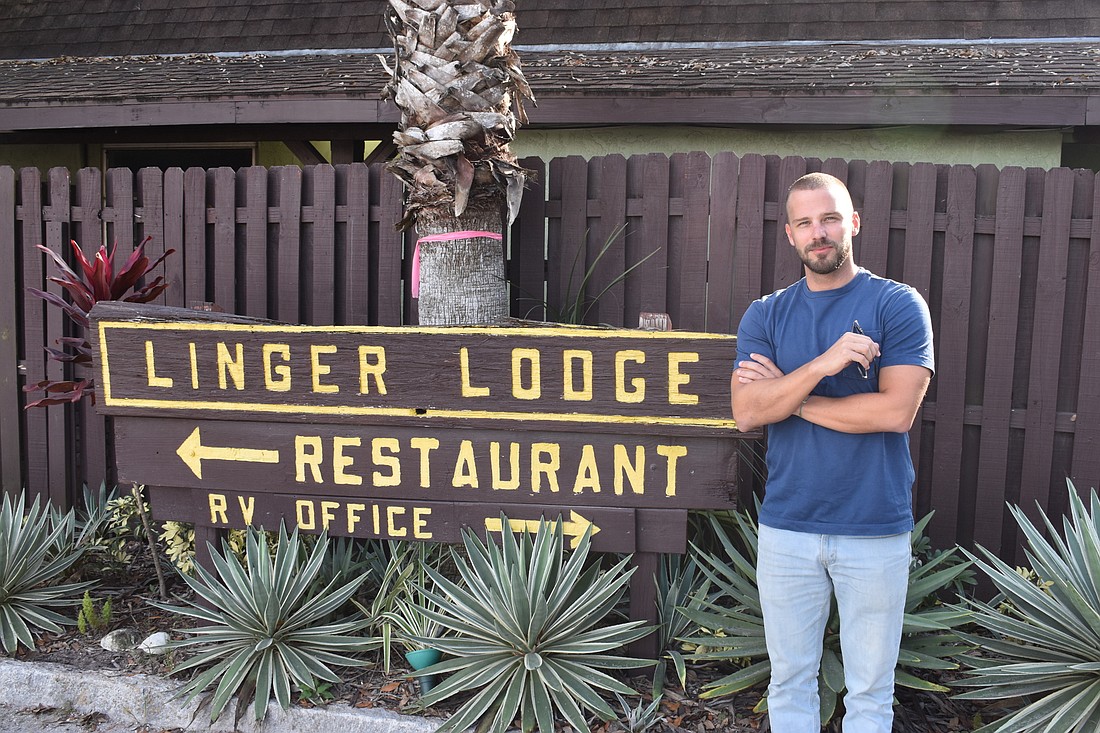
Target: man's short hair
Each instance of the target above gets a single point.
(817, 181)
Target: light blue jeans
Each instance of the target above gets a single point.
(797, 574)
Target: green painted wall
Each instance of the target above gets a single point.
(43, 157)
(1041, 148)
(271, 154)
(905, 144)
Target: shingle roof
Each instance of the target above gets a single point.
(35, 29)
(716, 71)
(122, 55)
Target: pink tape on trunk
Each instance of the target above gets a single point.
(445, 237)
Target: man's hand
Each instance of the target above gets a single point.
(757, 367)
(851, 348)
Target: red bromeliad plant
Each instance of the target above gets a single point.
(90, 283)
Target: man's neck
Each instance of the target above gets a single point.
(832, 280)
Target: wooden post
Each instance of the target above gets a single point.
(643, 603)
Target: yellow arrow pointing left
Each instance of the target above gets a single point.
(193, 453)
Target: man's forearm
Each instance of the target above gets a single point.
(892, 409)
(767, 401)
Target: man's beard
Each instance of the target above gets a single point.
(841, 253)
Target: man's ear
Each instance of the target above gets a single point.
(787, 229)
(855, 223)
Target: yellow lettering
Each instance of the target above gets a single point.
(464, 367)
(218, 507)
(425, 446)
(531, 356)
(548, 466)
(420, 523)
(353, 516)
(377, 520)
(306, 518)
(308, 451)
(248, 509)
(588, 473)
(465, 470)
(569, 390)
(621, 393)
(328, 512)
(677, 379)
(672, 453)
(635, 471)
(151, 369)
(499, 483)
(318, 370)
(368, 369)
(194, 365)
(377, 445)
(228, 366)
(391, 521)
(282, 371)
(341, 461)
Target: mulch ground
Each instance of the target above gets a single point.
(369, 687)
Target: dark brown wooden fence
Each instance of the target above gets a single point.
(1009, 261)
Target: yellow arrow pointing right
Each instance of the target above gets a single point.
(574, 528)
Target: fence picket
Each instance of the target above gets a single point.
(35, 336)
(393, 250)
(11, 418)
(1085, 468)
(287, 192)
(748, 277)
(194, 237)
(567, 232)
(723, 226)
(251, 191)
(650, 280)
(953, 330)
(687, 265)
(354, 180)
(1042, 391)
(223, 217)
(991, 530)
(527, 273)
(173, 267)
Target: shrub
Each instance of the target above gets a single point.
(263, 628)
(36, 547)
(736, 624)
(1043, 642)
(526, 632)
(89, 283)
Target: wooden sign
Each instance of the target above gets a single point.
(415, 432)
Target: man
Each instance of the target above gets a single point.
(836, 366)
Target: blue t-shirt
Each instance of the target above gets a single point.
(820, 480)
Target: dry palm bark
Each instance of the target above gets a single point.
(460, 90)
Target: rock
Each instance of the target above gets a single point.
(120, 640)
(155, 643)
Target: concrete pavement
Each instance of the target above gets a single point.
(65, 697)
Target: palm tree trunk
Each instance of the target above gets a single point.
(462, 280)
(459, 86)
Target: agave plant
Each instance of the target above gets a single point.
(263, 628)
(680, 585)
(36, 547)
(91, 282)
(526, 632)
(394, 613)
(1043, 641)
(733, 617)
